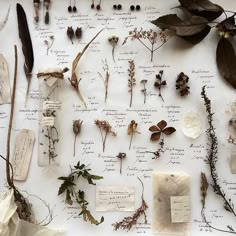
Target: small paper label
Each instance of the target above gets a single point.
(115, 198)
(22, 154)
(47, 121)
(180, 209)
(51, 105)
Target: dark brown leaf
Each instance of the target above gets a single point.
(155, 136)
(203, 8)
(226, 61)
(169, 130)
(154, 128)
(193, 29)
(162, 124)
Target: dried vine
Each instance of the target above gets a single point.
(211, 160)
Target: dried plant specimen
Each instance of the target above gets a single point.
(36, 10)
(148, 39)
(106, 78)
(121, 156)
(53, 74)
(46, 5)
(132, 130)
(158, 133)
(78, 32)
(74, 80)
(131, 80)
(212, 159)
(113, 40)
(105, 129)
(70, 33)
(160, 83)
(49, 42)
(76, 129)
(144, 90)
(69, 187)
(182, 84)
(131, 221)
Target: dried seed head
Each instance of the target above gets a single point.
(70, 32)
(78, 32)
(77, 126)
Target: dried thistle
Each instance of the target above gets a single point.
(107, 77)
(130, 221)
(113, 40)
(121, 156)
(182, 84)
(74, 80)
(160, 83)
(105, 129)
(132, 130)
(144, 90)
(131, 81)
(148, 37)
(158, 132)
(72, 194)
(76, 129)
(49, 44)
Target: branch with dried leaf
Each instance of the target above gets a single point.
(131, 221)
(74, 79)
(72, 194)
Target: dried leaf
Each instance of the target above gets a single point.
(169, 130)
(155, 136)
(154, 128)
(162, 124)
(193, 29)
(204, 187)
(226, 61)
(203, 8)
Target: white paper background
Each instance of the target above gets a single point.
(174, 57)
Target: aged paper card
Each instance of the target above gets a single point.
(115, 198)
(5, 94)
(22, 154)
(180, 209)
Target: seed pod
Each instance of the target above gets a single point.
(78, 32)
(70, 33)
(77, 126)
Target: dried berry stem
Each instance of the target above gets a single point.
(212, 157)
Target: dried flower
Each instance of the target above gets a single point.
(49, 44)
(121, 156)
(132, 130)
(158, 132)
(107, 77)
(76, 129)
(160, 83)
(146, 37)
(130, 221)
(182, 84)
(70, 33)
(113, 40)
(131, 80)
(144, 90)
(78, 32)
(104, 126)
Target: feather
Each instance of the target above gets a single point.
(27, 48)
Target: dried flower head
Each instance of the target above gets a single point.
(182, 84)
(105, 129)
(132, 130)
(160, 83)
(131, 80)
(76, 129)
(78, 32)
(121, 156)
(70, 33)
(113, 40)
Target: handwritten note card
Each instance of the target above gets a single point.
(51, 105)
(22, 154)
(115, 198)
(180, 209)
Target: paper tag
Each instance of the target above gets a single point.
(47, 121)
(51, 105)
(115, 198)
(22, 154)
(5, 94)
(180, 209)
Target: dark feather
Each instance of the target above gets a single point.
(25, 38)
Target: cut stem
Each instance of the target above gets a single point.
(75, 143)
